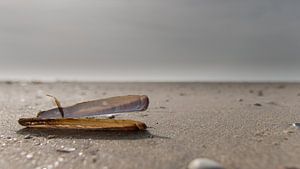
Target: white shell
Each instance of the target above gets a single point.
(296, 125)
(204, 163)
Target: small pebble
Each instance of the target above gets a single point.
(203, 163)
(51, 136)
(296, 125)
(29, 156)
(94, 160)
(257, 104)
(37, 143)
(28, 136)
(182, 94)
(66, 149)
(260, 93)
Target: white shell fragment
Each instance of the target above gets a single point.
(29, 156)
(66, 149)
(204, 163)
(296, 125)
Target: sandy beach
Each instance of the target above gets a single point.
(239, 125)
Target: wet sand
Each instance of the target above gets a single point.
(239, 125)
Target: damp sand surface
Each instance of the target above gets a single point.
(239, 125)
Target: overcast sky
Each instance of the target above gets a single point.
(152, 40)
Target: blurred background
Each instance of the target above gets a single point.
(150, 40)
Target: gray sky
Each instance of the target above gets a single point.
(160, 40)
